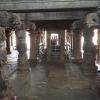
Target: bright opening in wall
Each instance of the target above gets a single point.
(55, 38)
(28, 43)
(82, 43)
(95, 37)
(45, 39)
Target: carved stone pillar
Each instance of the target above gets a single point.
(48, 48)
(3, 53)
(62, 54)
(33, 44)
(89, 55)
(3, 58)
(77, 44)
(21, 48)
(98, 53)
(8, 33)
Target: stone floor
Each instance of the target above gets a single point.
(51, 82)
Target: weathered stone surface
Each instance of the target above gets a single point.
(3, 53)
(29, 5)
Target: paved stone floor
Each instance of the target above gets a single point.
(52, 82)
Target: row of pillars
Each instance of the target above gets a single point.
(89, 48)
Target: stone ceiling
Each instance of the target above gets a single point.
(40, 10)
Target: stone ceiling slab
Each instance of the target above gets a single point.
(46, 4)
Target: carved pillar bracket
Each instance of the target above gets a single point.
(21, 48)
(89, 55)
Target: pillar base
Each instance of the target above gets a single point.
(23, 67)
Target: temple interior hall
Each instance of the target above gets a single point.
(50, 50)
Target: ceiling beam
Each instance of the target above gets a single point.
(47, 4)
(68, 15)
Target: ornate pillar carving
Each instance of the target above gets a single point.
(8, 33)
(21, 47)
(89, 55)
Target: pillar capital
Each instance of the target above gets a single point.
(92, 20)
(77, 26)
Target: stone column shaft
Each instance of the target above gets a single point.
(98, 53)
(48, 48)
(33, 47)
(89, 55)
(8, 33)
(77, 45)
(62, 53)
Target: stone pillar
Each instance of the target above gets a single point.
(33, 44)
(98, 52)
(21, 48)
(48, 48)
(8, 33)
(3, 53)
(89, 55)
(4, 94)
(62, 53)
(77, 45)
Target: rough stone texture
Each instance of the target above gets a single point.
(3, 53)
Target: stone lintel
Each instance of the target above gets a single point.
(36, 5)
